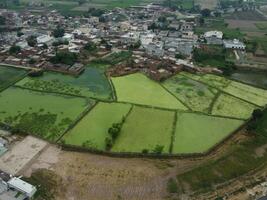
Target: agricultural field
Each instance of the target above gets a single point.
(41, 114)
(145, 129)
(230, 106)
(194, 94)
(197, 133)
(92, 130)
(92, 83)
(138, 89)
(251, 94)
(9, 75)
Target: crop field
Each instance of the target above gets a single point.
(230, 106)
(92, 130)
(8, 75)
(41, 114)
(198, 133)
(92, 83)
(144, 129)
(138, 89)
(195, 95)
(248, 93)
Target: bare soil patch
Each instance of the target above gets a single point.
(21, 154)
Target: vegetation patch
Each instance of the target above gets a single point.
(197, 133)
(145, 130)
(91, 83)
(44, 115)
(93, 129)
(230, 106)
(9, 75)
(138, 89)
(240, 160)
(194, 94)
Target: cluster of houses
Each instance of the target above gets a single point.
(154, 30)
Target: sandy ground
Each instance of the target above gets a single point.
(21, 154)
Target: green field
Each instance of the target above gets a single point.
(248, 93)
(195, 95)
(138, 89)
(92, 130)
(196, 133)
(92, 83)
(41, 114)
(230, 106)
(9, 75)
(145, 128)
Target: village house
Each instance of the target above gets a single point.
(234, 44)
(214, 37)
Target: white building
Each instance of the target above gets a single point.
(214, 37)
(45, 39)
(131, 37)
(234, 44)
(22, 186)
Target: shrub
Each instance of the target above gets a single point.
(158, 149)
(172, 186)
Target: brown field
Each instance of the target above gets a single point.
(247, 27)
(247, 15)
(209, 4)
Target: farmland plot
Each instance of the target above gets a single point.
(92, 83)
(145, 128)
(41, 114)
(9, 75)
(197, 133)
(248, 93)
(194, 94)
(138, 89)
(230, 106)
(92, 130)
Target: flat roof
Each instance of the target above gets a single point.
(21, 185)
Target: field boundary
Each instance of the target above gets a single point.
(76, 121)
(174, 124)
(14, 82)
(226, 92)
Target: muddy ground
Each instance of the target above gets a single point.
(83, 176)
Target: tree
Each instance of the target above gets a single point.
(158, 149)
(19, 34)
(32, 41)
(14, 49)
(64, 57)
(58, 32)
(81, 2)
(2, 20)
(108, 143)
(205, 12)
(257, 114)
(90, 46)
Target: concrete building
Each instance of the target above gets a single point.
(22, 186)
(130, 38)
(214, 37)
(234, 44)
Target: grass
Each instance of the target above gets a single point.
(92, 130)
(113, 59)
(144, 129)
(197, 133)
(194, 94)
(138, 89)
(230, 106)
(261, 25)
(92, 83)
(220, 25)
(9, 75)
(239, 160)
(41, 114)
